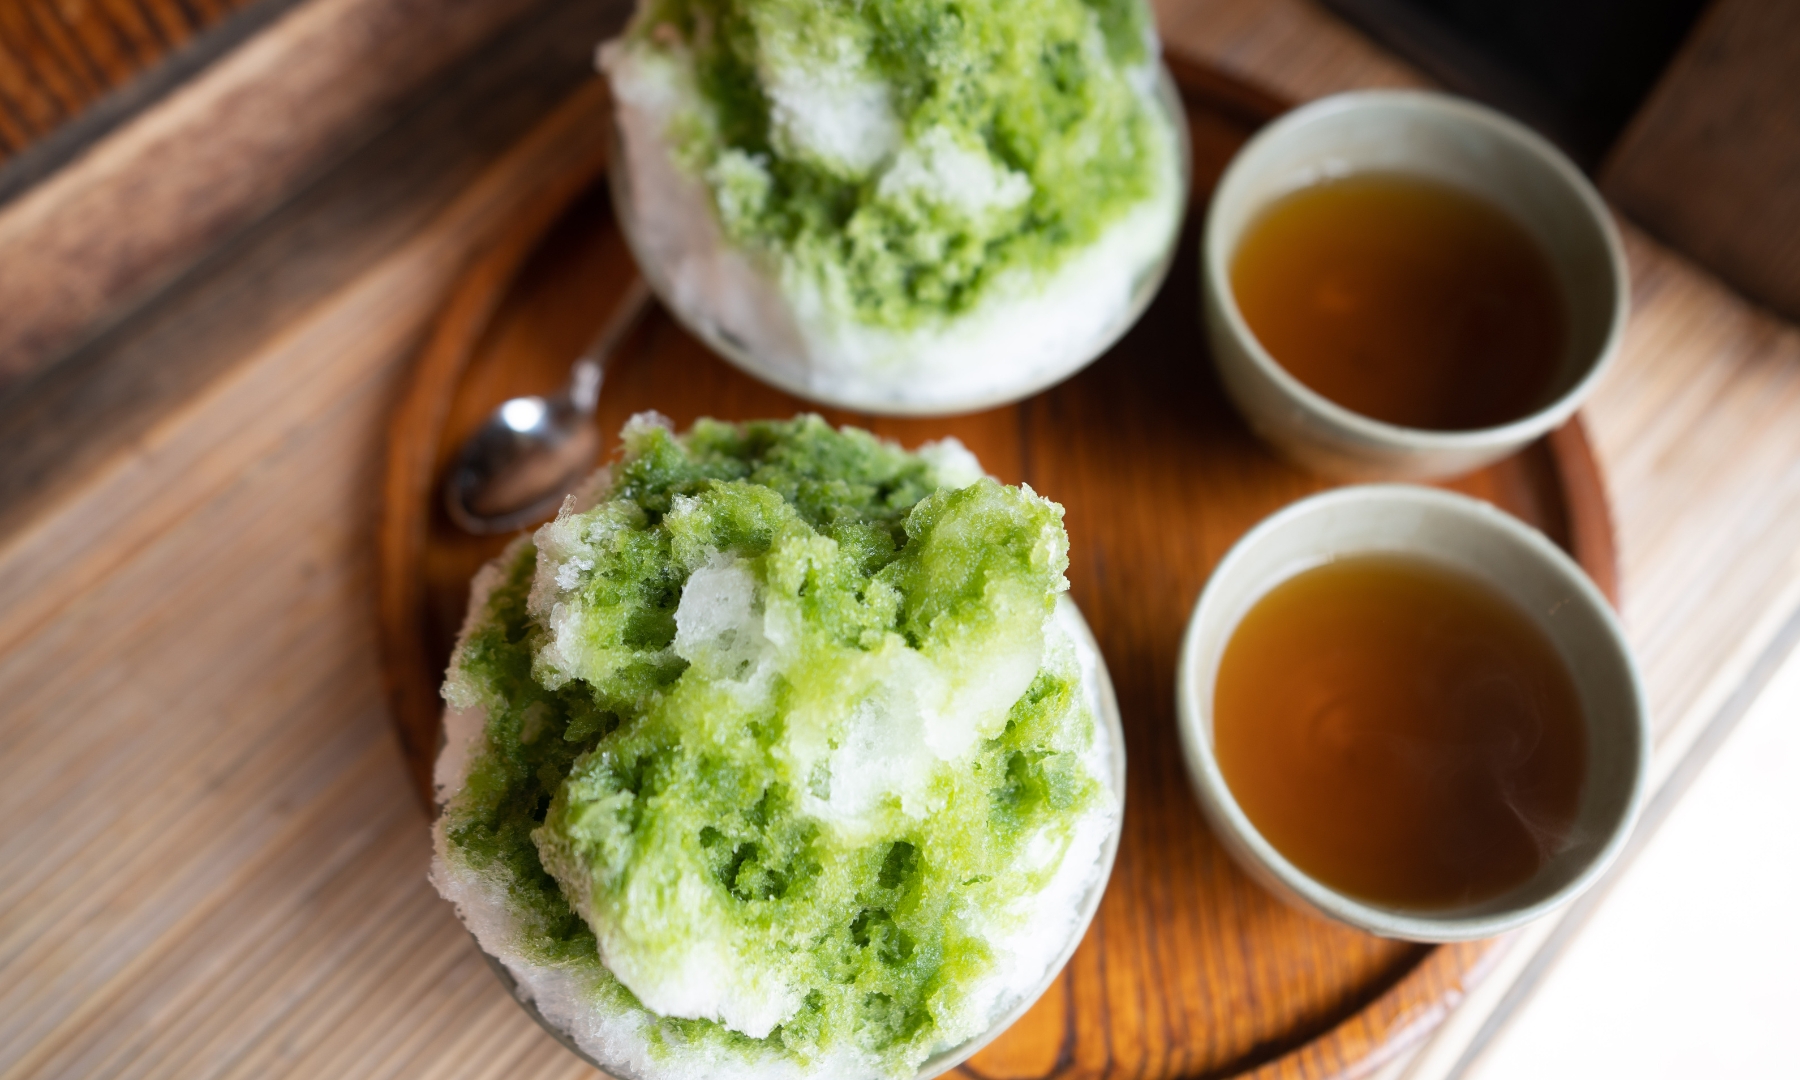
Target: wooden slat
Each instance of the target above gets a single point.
(101, 400)
(1711, 163)
(326, 378)
(57, 91)
(150, 200)
(58, 58)
(213, 866)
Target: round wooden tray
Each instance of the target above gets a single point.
(1190, 969)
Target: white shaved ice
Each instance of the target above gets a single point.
(1027, 333)
(1028, 939)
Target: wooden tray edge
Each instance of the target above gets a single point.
(409, 480)
(1592, 541)
(1395, 1022)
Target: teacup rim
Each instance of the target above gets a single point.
(1215, 276)
(1215, 794)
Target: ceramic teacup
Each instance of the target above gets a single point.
(1513, 558)
(1435, 137)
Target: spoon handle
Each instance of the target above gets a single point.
(586, 373)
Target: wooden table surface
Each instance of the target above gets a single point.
(215, 865)
(58, 57)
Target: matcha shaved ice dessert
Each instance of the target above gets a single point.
(784, 756)
(903, 206)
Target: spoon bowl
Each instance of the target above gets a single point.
(533, 450)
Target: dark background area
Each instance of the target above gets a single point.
(1574, 69)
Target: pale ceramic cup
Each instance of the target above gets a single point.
(1437, 137)
(1467, 535)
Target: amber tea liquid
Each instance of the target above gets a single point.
(1401, 732)
(1405, 300)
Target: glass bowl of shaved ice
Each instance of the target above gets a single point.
(780, 752)
(899, 206)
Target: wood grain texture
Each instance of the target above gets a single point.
(143, 987)
(149, 201)
(413, 463)
(58, 427)
(1711, 162)
(57, 59)
(1190, 968)
(214, 865)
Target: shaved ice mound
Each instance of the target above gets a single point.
(910, 207)
(784, 757)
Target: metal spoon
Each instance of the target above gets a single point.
(533, 450)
